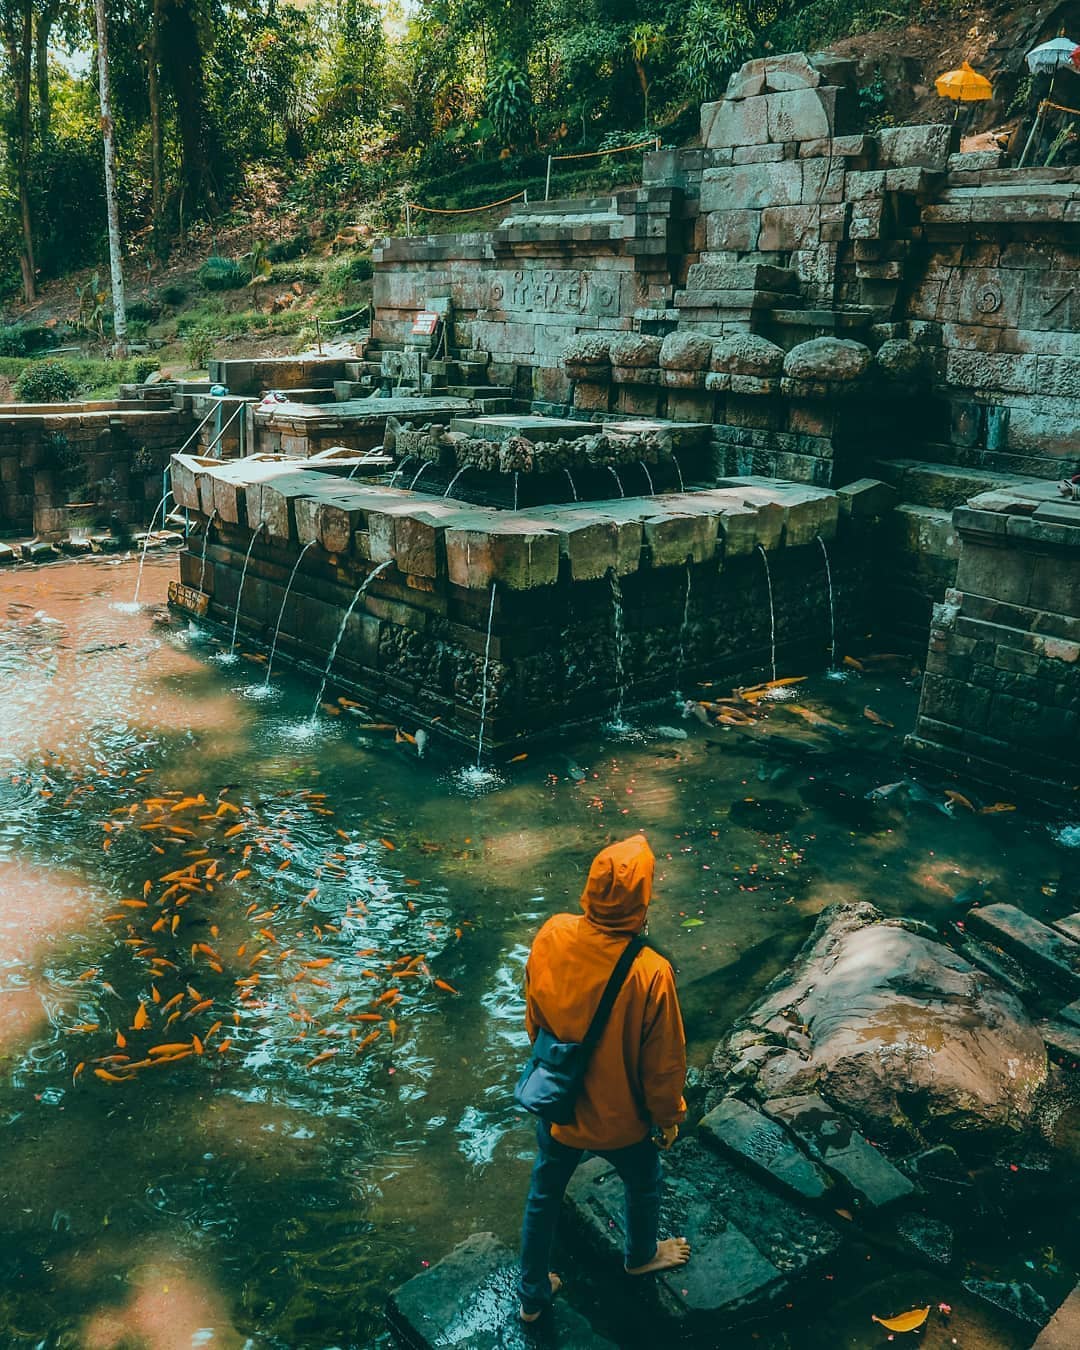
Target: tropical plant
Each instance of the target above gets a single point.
(715, 40)
(509, 103)
(93, 300)
(48, 381)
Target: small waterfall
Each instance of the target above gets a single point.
(772, 611)
(281, 611)
(420, 473)
(618, 481)
(678, 471)
(515, 491)
(146, 545)
(400, 469)
(453, 481)
(573, 487)
(205, 541)
(484, 686)
(341, 633)
(684, 628)
(618, 633)
(832, 604)
(240, 593)
(648, 477)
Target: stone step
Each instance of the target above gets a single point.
(460, 372)
(834, 1141)
(347, 389)
(469, 1300)
(480, 391)
(749, 1243)
(942, 486)
(1062, 1332)
(1062, 1040)
(564, 206)
(1071, 1013)
(765, 1147)
(1035, 945)
(1069, 926)
(491, 407)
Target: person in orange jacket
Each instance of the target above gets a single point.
(634, 1082)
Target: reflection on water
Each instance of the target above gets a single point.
(325, 933)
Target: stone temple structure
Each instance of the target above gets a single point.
(635, 440)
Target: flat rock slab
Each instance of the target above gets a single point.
(1069, 926)
(469, 1300)
(1071, 1013)
(1062, 1332)
(833, 1139)
(501, 426)
(748, 1243)
(1063, 1039)
(764, 1146)
(1034, 944)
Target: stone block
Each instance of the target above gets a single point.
(801, 114)
(735, 122)
(810, 513)
(732, 230)
(833, 1140)
(925, 147)
(486, 549)
(1036, 946)
(785, 228)
(276, 504)
(674, 537)
(753, 186)
(469, 1300)
(764, 1146)
(866, 499)
(592, 397)
(594, 544)
(738, 530)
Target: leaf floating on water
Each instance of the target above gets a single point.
(692, 923)
(958, 799)
(846, 1214)
(997, 807)
(909, 1321)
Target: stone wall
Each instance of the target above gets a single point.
(85, 461)
(1001, 694)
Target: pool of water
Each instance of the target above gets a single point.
(332, 928)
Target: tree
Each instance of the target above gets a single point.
(116, 264)
(17, 34)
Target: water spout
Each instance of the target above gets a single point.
(484, 685)
(772, 611)
(515, 491)
(206, 540)
(618, 481)
(678, 471)
(341, 633)
(146, 545)
(259, 529)
(400, 469)
(453, 481)
(648, 476)
(573, 488)
(832, 604)
(281, 611)
(420, 473)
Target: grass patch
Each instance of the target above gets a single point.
(97, 379)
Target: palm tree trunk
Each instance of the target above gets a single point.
(116, 265)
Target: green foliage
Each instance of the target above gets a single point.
(715, 40)
(173, 295)
(223, 274)
(142, 311)
(285, 250)
(48, 381)
(874, 103)
(509, 103)
(199, 346)
(142, 367)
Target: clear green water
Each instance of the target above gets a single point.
(251, 1196)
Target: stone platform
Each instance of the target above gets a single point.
(594, 602)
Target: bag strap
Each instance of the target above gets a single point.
(616, 980)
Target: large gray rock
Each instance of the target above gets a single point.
(586, 349)
(686, 351)
(469, 1300)
(634, 349)
(828, 358)
(900, 1033)
(747, 354)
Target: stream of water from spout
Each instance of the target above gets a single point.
(618, 481)
(341, 633)
(399, 470)
(618, 633)
(281, 612)
(832, 604)
(146, 545)
(453, 481)
(420, 473)
(772, 611)
(484, 685)
(648, 477)
(240, 593)
(684, 628)
(678, 471)
(573, 487)
(205, 541)
(515, 491)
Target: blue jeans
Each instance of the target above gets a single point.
(639, 1167)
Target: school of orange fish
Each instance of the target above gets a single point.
(203, 998)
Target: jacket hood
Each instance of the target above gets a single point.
(619, 887)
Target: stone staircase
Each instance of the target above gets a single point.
(461, 373)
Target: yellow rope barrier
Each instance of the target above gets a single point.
(1060, 107)
(615, 150)
(463, 210)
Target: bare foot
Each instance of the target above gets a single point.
(670, 1254)
(556, 1285)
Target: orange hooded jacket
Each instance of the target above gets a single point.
(636, 1076)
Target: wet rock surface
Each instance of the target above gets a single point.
(765, 1146)
(469, 1300)
(903, 1035)
(1033, 943)
(749, 1244)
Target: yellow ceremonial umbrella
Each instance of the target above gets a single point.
(963, 85)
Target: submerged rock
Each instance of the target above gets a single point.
(904, 1035)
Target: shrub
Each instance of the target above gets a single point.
(172, 295)
(12, 341)
(223, 274)
(144, 366)
(199, 346)
(48, 381)
(142, 311)
(283, 274)
(285, 250)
